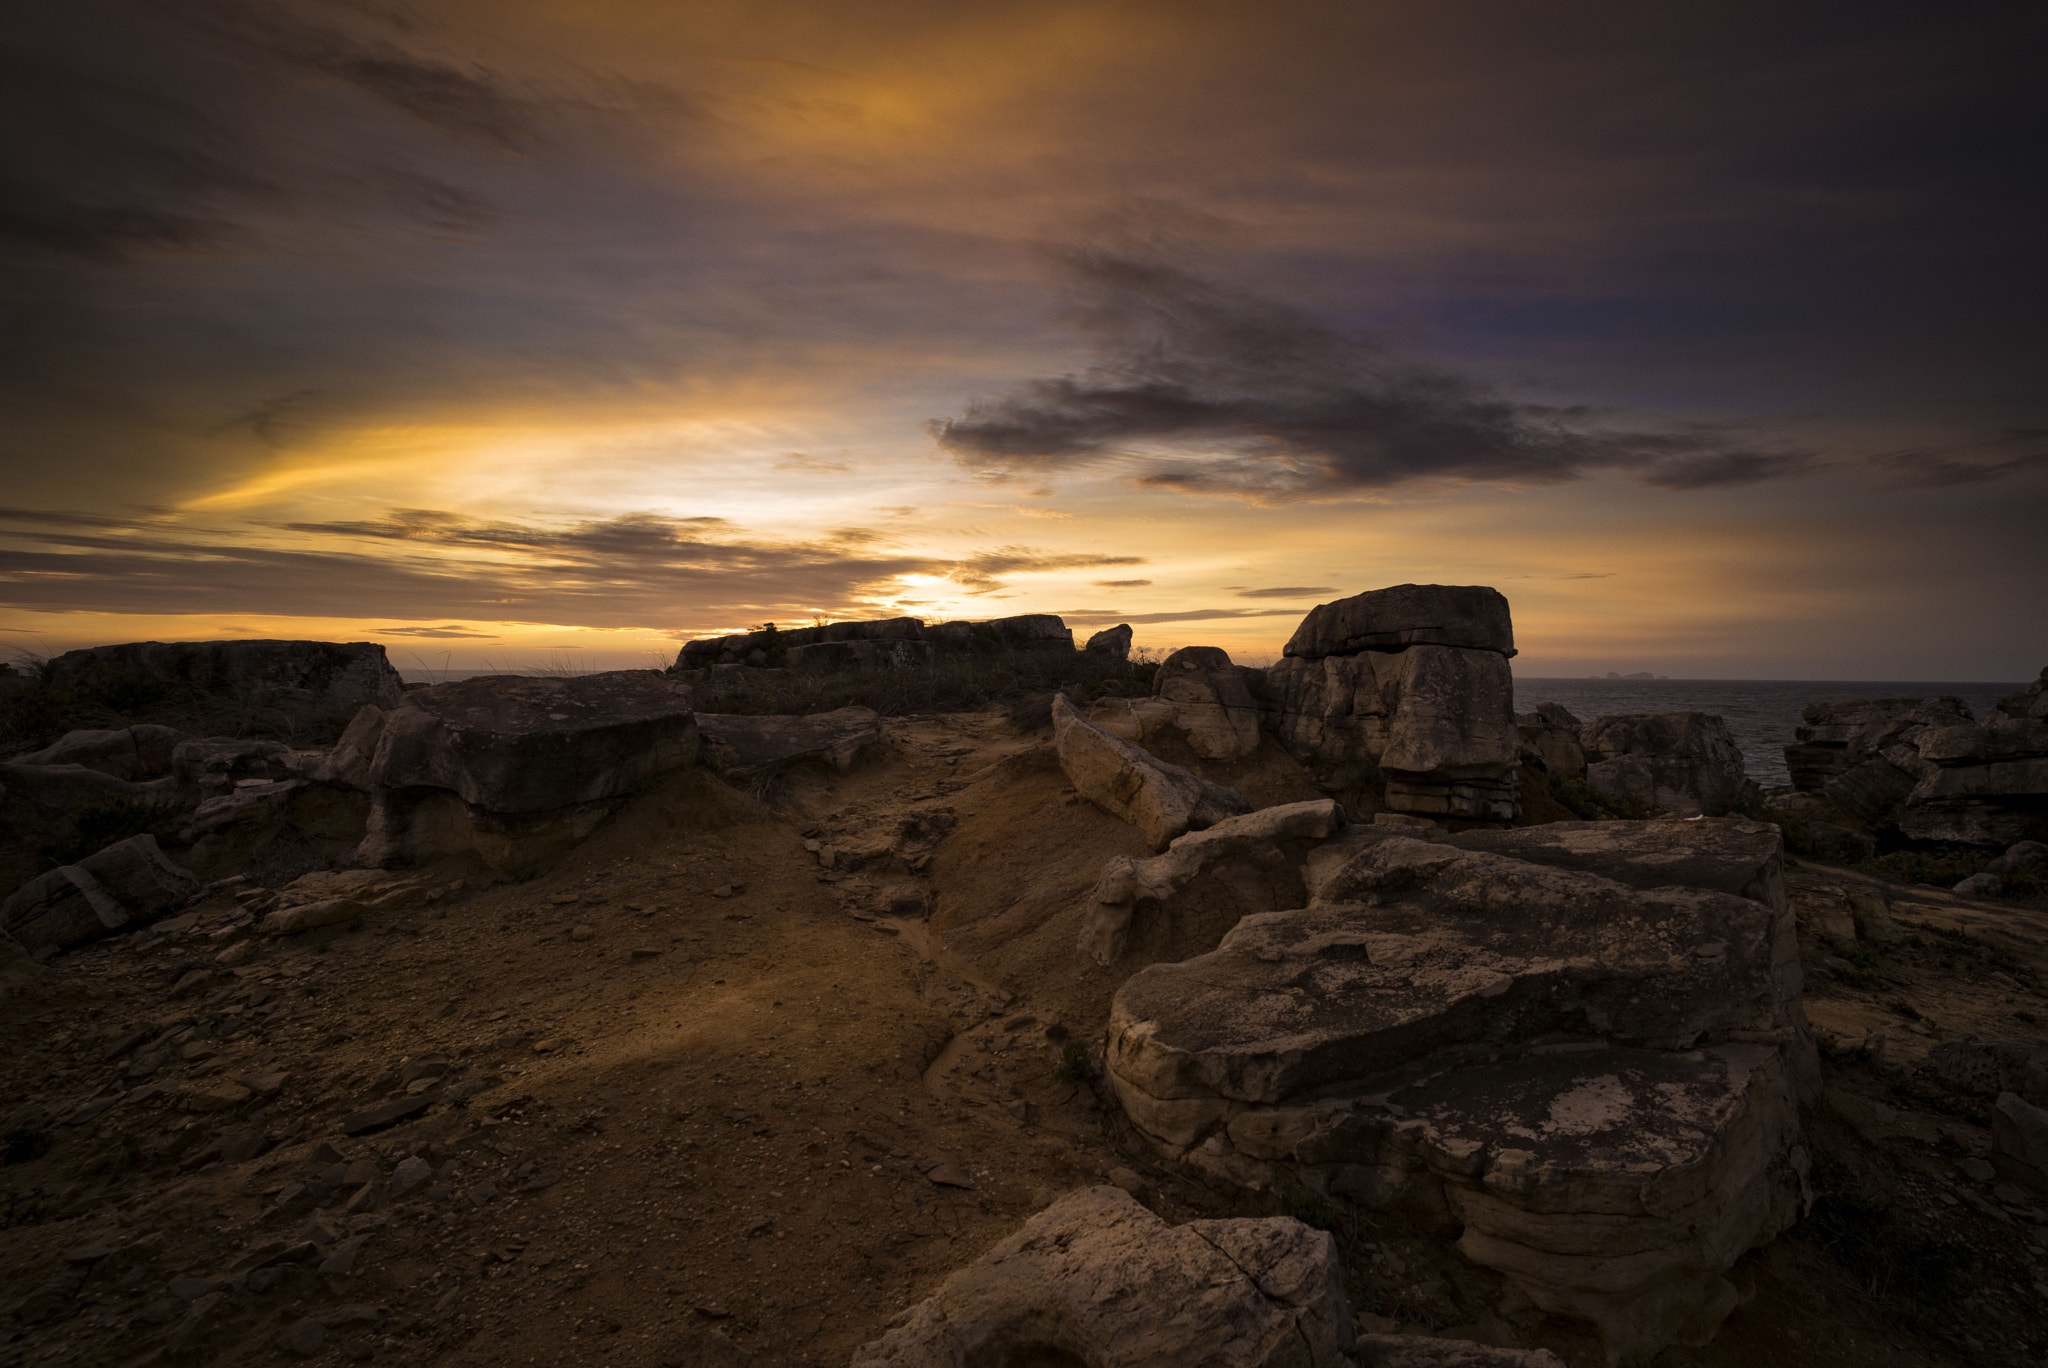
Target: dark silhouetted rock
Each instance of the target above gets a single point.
(330, 674)
(1469, 616)
(746, 743)
(127, 883)
(1685, 762)
(1112, 641)
(132, 753)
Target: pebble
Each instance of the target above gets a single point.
(582, 933)
(409, 1175)
(303, 1337)
(342, 1257)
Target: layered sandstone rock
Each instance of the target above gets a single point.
(1685, 763)
(1160, 799)
(1590, 1058)
(1210, 701)
(1095, 1278)
(1409, 685)
(1247, 864)
(509, 767)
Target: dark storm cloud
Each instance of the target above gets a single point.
(1212, 389)
(2011, 453)
(639, 570)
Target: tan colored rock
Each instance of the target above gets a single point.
(1096, 1278)
(1212, 702)
(1124, 780)
(1241, 851)
(1598, 1080)
(290, 921)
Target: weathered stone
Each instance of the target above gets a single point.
(1838, 736)
(128, 882)
(131, 753)
(1244, 853)
(510, 767)
(1550, 741)
(1469, 616)
(1597, 1080)
(1112, 641)
(290, 921)
(1212, 702)
(1724, 854)
(1160, 799)
(388, 1113)
(303, 1337)
(1684, 762)
(410, 1173)
(2031, 701)
(2019, 1129)
(327, 673)
(1096, 1278)
(1987, 1068)
(744, 744)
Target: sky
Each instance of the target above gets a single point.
(518, 333)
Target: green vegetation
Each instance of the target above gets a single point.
(1075, 1066)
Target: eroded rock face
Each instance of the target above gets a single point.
(744, 744)
(888, 643)
(332, 674)
(507, 766)
(1550, 741)
(129, 882)
(1409, 687)
(1122, 779)
(1596, 1077)
(1469, 616)
(1095, 1278)
(1924, 769)
(1254, 858)
(1211, 702)
(1685, 762)
(133, 753)
(1112, 641)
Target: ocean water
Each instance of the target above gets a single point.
(1761, 713)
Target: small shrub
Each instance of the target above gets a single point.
(1075, 1066)
(1312, 1211)
(23, 1144)
(1859, 1232)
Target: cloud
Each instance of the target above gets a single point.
(1201, 387)
(1980, 463)
(1589, 574)
(812, 465)
(1120, 584)
(449, 632)
(1295, 591)
(1092, 616)
(638, 570)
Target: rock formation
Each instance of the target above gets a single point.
(889, 643)
(1095, 1278)
(509, 767)
(1126, 781)
(330, 674)
(1684, 763)
(1409, 684)
(1922, 769)
(1594, 1074)
(123, 885)
(745, 744)
(133, 753)
(1112, 641)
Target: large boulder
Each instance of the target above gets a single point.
(329, 674)
(2031, 701)
(1837, 737)
(1160, 799)
(510, 767)
(1470, 616)
(1597, 1078)
(1095, 1278)
(1550, 741)
(888, 643)
(127, 883)
(133, 753)
(1206, 881)
(1684, 762)
(1112, 641)
(1211, 702)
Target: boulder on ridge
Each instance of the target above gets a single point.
(332, 674)
(1160, 799)
(1464, 615)
(1681, 762)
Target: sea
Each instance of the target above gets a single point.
(1761, 713)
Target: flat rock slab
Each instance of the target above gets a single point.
(745, 743)
(1467, 615)
(128, 882)
(1726, 854)
(1162, 800)
(1096, 1278)
(337, 674)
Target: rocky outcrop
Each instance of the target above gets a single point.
(745, 744)
(1409, 687)
(889, 643)
(1253, 863)
(1684, 763)
(1595, 1074)
(1122, 779)
(1112, 641)
(1550, 742)
(125, 884)
(1209, 701)
(1922, 769)
(1095, 1278)
(2019, 1129)
(133, 753)
(329, 674)
(508, 767)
